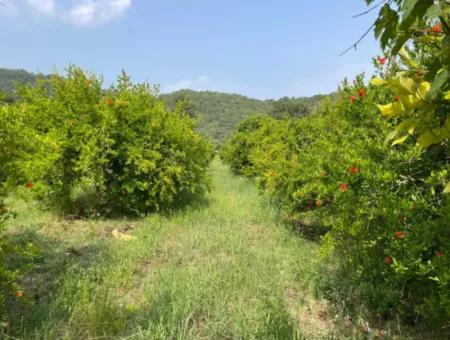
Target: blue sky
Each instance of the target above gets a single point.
(262, 49)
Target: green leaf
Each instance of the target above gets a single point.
(434, 278)
(408, 125)
(426, 39)
(402, 38)
(447, 188)
(408, 7)
(440, 80)
(390, 136)
(434, 11)
(386, 25)
(414, 13)
(400, 140)
(426, 139)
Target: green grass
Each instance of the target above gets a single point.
(223, 268)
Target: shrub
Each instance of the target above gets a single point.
(116, 150)
(238, 149)
(6, 275)
(385, 208)
(14, 258)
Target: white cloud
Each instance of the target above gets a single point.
(83, 12)
(43, 6)
(8, 8)
(90, 11)
(199, 83)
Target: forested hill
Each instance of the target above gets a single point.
(9, 79)
(217, 113)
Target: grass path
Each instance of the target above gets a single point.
(223, 269)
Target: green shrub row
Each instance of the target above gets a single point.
(387, 215)
(379, 186)
(88, 149)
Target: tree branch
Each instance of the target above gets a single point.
(370, 28)
(370, 9)
(358, 41)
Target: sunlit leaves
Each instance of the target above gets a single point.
(416, 21)
(121, 146)
(393, 109)
(417, 110)
(422, 82)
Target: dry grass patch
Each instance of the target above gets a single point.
(313, 316)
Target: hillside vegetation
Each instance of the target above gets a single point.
(217, 113)
(10, 79)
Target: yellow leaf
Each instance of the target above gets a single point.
(447, 188)
(378, 81)
(391, 110)
(426, 139)
(411, 102)
(400, 140)
(385, 109)
(407, 84)
(447, 95)
(423, 89)
(402, 85)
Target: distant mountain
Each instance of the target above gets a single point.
(216, 113)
